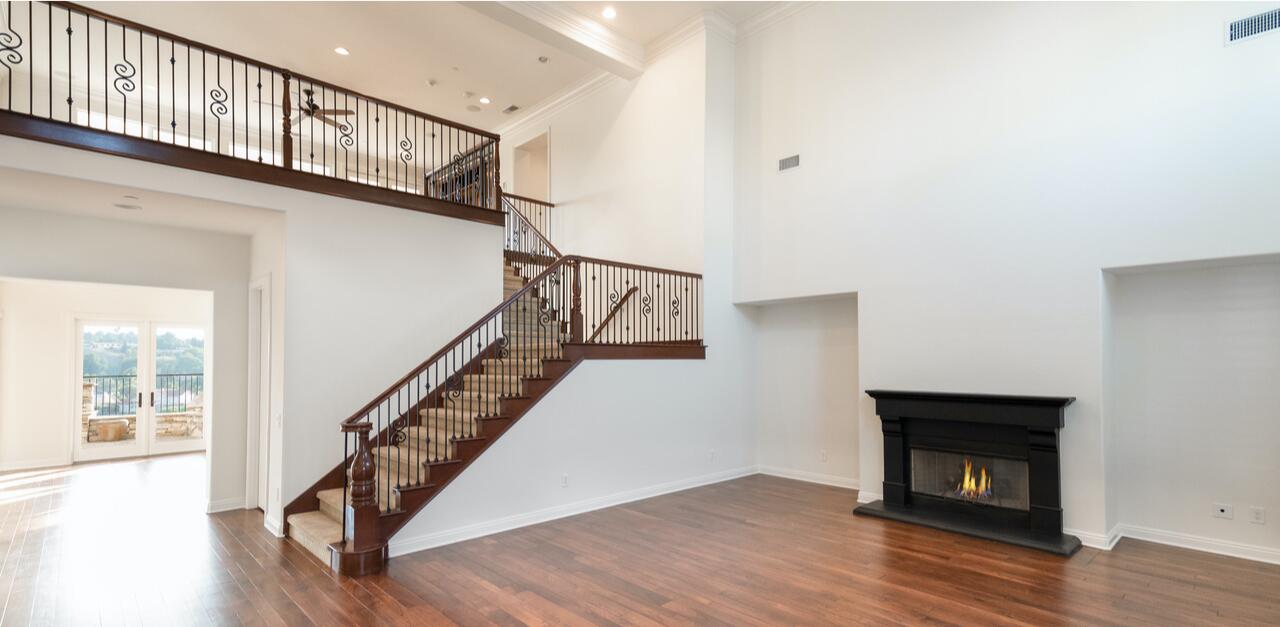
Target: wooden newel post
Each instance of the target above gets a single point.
(362, 512)
(286, 140)
(497, 175)
(575, 315)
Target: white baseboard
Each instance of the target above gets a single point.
(35, 464)
(223, 505)
(1093, 540)
(275, 526)
(869, 497)
(402, 546)
(1201, 543)
(811, 477)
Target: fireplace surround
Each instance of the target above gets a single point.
(981, 464)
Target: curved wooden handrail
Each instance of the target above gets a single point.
(87, 11)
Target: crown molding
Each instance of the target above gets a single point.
(712, 22)
(560, 26)
(547, 108)
(770, 17)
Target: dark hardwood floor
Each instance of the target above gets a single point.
(127, 543)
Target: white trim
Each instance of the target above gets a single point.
(770, 17)
(865, 497)
(259, 396)
(223, 505)
(275, 526)
(1095, 540)
(1201, 543)
(810, 477)
(402, 546)
(713, 23)
(569, 30)
(541, 113)
(35, 464)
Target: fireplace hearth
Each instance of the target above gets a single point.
(981, 464)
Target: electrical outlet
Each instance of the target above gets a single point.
(822, 455)
(1258, 515)
(1223, 510)
(564, 481)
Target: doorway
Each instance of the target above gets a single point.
(141, 388)
(533, 169)
(258, 471)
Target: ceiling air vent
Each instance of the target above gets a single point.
(511, 109)
(1253, 26)
(790, 162)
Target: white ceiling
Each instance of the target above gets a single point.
(395, 48)
(643, 22)
(30, 190)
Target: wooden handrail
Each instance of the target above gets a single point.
(525, 219)
(612, 313)
(87, 11)
(504, 305)
(532, 200)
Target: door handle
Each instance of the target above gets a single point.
(139, 399)
(153, 399)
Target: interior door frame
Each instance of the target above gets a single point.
(144, 442)
(155, 446)
(257, 487)
(97, 451)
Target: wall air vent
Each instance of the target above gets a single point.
(1253, 26)
(790, 162)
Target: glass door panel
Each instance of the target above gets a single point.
(179, 388)
(111, 411)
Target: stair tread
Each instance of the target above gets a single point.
(315, 531)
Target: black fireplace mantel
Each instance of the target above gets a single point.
(1022, 427)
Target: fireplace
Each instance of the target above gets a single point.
(980, 464)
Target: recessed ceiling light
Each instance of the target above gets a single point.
(431, 82)
(128, 207)
(129, 197)
(543, 59)
(342, 51)
(484, 100)
(472, 108)
(609, 13)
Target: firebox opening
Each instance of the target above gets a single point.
(978, 479)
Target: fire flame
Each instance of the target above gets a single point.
(974, 485)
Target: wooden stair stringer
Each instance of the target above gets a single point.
(441, 474)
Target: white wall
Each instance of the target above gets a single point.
(625, 161)
(968, 172)
(45, 245)
(807, 389)
(627, 429)
(368, 296)
(1197, 404)
(40, 408)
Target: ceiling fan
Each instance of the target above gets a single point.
(310, 109)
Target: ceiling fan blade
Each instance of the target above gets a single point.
(334, 112)
(328, 121)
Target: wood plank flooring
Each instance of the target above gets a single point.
(127, 543)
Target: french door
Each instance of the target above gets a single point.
(140, 387)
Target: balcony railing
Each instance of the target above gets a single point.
(76, 76)
(117, 395)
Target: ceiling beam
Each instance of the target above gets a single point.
(571, 32)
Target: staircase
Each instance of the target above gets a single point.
(408, 444)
